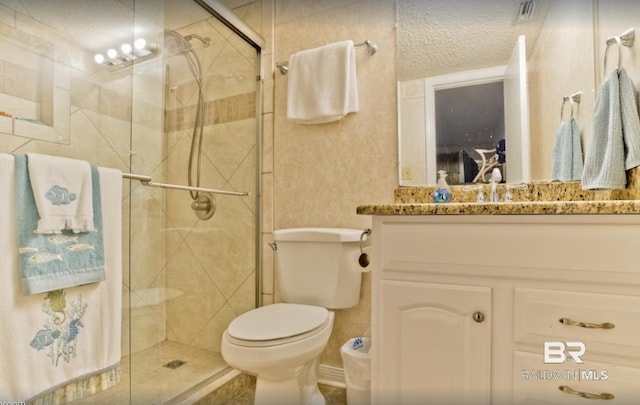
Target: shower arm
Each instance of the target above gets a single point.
(206, 41)
(147, 181)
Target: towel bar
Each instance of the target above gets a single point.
(372, 48)
(147, 181)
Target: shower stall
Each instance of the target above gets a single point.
(168, 89)
(182, 299)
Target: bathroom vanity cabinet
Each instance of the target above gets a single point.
(463, 306)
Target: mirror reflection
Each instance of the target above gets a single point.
(470, 131)
(448, 44)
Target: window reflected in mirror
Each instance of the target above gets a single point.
(470, 131)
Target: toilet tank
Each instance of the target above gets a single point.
(318, 266)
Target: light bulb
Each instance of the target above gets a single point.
(98, 58)
(126, 49)
(112, 53)
(140, 43)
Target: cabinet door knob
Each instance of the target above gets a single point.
(478, 316)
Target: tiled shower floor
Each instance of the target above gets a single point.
(153, 384)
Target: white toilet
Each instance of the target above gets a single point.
(317, 269)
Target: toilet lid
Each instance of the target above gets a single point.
(277, 321)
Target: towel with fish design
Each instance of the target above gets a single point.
(56, 261)
(64, 344)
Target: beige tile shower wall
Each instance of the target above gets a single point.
(322, 172)
(211, 264)
(561, 64)
(101, 128)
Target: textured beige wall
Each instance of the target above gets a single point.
(321, 173)
(569, 57)
(615, 17)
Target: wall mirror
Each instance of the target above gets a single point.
(452, 49)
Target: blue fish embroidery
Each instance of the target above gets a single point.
(60, 196)
(44, 338)
(60, 333)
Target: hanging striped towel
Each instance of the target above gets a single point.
(615, 144)
(567, 153)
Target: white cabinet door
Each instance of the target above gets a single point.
(433, 347)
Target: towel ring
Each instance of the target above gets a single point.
(574, 98)
(627, 39)
(618, 41)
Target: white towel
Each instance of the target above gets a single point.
(48, 340)
(322, 84)
(615, 143)
(567, 153)
(63, 193)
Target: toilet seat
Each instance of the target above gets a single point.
(277, 324)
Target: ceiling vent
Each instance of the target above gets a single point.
(525, 11)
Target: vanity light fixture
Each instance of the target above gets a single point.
(126, 49)
(140, 49)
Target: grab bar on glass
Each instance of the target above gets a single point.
(147, 181)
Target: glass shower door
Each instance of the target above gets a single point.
(193, 106)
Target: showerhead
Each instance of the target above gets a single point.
(176, 44)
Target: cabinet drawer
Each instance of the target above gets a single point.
(605, 323)
(505, 243)
(536, 382)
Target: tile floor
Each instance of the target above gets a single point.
(154, 384)
(333, 396)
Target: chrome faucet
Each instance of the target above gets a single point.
(496, 177)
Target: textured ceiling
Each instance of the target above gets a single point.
(438, 37)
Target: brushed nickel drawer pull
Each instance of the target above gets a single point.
(604, 396)
(588, 325)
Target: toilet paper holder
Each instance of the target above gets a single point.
(363, 259)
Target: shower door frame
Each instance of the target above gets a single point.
(239, 27)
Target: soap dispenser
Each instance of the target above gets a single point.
(443, 192)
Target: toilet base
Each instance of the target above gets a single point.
(298, 387)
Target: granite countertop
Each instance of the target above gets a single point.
(505, 208)
(536, 198)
